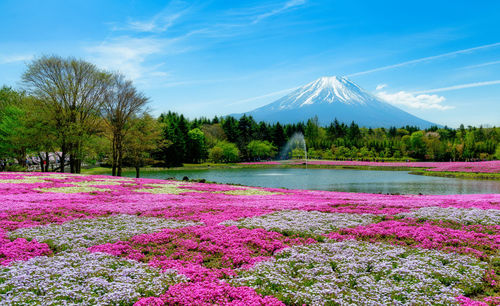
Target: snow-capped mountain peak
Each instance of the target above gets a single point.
(326, 90)
(331, 98)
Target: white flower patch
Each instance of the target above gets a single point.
(171, 188)
(360, 273)
(28, 179)
(249, 191)
(467, 216)
(299, 221)
(81, 278)
(88, 232)
(87, 186)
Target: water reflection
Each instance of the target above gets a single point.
(337, 180)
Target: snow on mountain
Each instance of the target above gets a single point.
(335, 97)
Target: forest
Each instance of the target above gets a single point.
(70, 114)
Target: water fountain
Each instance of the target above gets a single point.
(296, 141)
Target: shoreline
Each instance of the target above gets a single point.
(411, 170)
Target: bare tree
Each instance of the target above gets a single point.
(72, 92)
(123, 102)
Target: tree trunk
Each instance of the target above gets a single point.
(72, 162)
(42, 168)
(113, 156)
(137, 169)
(78, 157)
(63, 157)
(47, 159)
(120, 154)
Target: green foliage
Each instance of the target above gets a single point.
(224, 152)
(197, 150)
(259, 149)
(143, 138)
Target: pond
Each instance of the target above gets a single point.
(335, 180)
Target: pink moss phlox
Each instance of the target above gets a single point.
(428, 236)
(215, 293)
(203, 252)
(487, 301)
(150, 301)
(30, 217)
(262, 163)
(119, 248)
(20, 249)
(194, 271)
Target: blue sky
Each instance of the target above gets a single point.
(439, 60)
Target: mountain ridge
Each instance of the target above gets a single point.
(332, 98)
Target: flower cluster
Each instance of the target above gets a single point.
(202, 252)
(466, 216)
(303, 222)
(426, 236)
(82, 278)
(82, 233)
(208, 294)
(157, 242)
(360, 273)
(20, 249)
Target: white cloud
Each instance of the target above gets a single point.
(426, 59)
(160, 22)
(461, 86)
(8, 59)
(288, 5)
(482, 65)
(381, 86)
(417, 101)
(157, 24)
(128, 55)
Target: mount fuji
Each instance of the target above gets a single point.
(335, 97)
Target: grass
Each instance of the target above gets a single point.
(461, 175)
(207, 166)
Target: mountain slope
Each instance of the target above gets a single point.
(335, 97)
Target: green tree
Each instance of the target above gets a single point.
(224, 152)
(417, 145)
(197, 150)
(72, 92)
(143, 138)
(261, 149)
(122, 102)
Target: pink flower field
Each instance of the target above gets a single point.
(477, 167)
(77, 239)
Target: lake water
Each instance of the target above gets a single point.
(335, 180)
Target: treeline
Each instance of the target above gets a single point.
(85, 116)
(227, 139)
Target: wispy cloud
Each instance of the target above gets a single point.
(160, 22)
(286, 6)
(381, 86)
(422, 101)
(426, 59)
(482, 65)
(128, 55)
(461, 86)
(9, 59)
(156, 25)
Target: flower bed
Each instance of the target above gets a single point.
(358, 273)
(75, 239)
